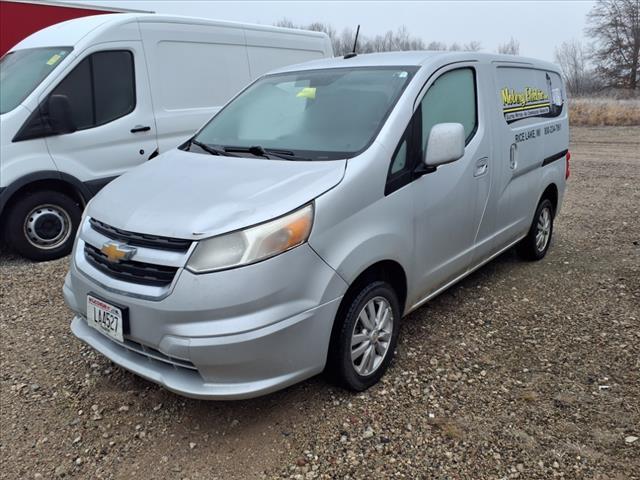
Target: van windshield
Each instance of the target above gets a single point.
(22, 71)
(311, 115)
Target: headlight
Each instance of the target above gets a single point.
(253, 244)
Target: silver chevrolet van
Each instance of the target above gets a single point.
(291, 233)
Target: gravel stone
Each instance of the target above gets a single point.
(485, 385)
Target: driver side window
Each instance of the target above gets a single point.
(100, 89)
(451, 98)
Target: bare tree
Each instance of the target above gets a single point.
(512, 47)
(336, 41)
(472, 46)
(615, 27)
(391, 40)
(573, 60)
(437, 46)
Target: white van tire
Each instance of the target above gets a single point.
(42, 225)
(381, 338)
(536, 244)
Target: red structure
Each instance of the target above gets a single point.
(19, 19)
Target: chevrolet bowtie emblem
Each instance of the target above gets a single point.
(117, 252)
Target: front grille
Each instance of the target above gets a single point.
(129, 270)
(140, 239)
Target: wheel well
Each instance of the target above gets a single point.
(551, 192)
(45, 184)
(387, 270)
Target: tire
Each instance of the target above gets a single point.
(353, 374)
(42, 225)
(536, 244)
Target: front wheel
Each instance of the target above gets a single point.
(41, 225)
(535, 245)
(367, 337)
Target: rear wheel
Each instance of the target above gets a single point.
(536, 244)
(42, 225)
(364, 345)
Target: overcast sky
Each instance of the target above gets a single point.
(538, 25)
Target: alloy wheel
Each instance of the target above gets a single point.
(371, 336)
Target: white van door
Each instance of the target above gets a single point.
(449, 203)
(108, 93)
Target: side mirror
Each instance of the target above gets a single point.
(445, 144)
(59, 115)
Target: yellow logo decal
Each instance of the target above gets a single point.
(513, 100)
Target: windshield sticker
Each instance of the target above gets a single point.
(307, 92)
(518, 104)
(54, 59)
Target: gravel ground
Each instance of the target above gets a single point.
(523, 370)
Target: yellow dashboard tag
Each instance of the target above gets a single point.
(307, 92)
(54, 59)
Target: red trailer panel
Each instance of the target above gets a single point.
(18, 20)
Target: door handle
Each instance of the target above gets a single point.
(140, 128)
(513, 162)
(482, 165)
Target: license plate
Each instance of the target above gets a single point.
(105, 318)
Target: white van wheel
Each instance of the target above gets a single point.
(47, 226)
(42, 225)
(536, 244)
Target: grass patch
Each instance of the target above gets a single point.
(598, 112)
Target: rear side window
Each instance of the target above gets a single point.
(529, 96)
(100, 89)
(451, 98)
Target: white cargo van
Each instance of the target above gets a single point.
(83, 101)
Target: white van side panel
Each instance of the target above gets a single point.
(200, 81)
(267, 51)
(531, 125)
(194, 69)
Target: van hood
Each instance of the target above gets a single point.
(191, 195)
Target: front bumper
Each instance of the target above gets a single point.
(227, 335)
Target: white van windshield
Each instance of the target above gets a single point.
(312, 115)
(23, 70)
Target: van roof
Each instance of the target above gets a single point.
(71, 32)
(414, 58)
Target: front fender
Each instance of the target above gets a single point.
(356, 226)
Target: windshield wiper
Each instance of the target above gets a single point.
(260, 151)
(209, 148)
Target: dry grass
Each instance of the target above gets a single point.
(449, 428)
(529, 396)
(596, 112)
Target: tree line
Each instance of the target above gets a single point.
(609, 61)
(390, 41)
